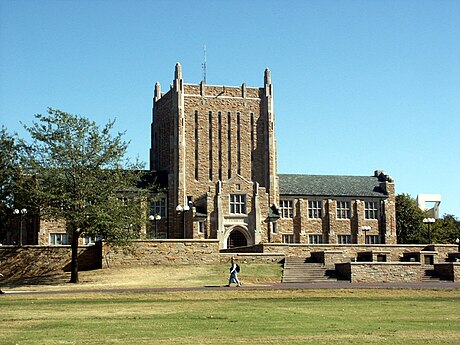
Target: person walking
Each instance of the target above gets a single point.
(234, 269)
(1, 277)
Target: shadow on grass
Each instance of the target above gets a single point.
(49, 279)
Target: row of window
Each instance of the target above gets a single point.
(315, 209)
(341, 239)
(61, 239)
(286, 208)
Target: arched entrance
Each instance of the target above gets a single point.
(236, 239)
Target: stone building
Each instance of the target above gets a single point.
(213, 149)
(218, 148)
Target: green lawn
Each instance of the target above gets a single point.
(233, 316)
(225, 316)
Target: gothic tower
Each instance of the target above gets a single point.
(218, 147)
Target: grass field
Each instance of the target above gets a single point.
(152, 277)
(226, 316)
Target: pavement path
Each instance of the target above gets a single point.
(280, 286)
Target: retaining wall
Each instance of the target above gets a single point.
(34, 261)
(347, 252)
(163, 252)
(381, 272)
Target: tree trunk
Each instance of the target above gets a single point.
(74, 261)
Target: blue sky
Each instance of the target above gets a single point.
(359, 85)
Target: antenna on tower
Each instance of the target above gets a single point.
(204, 65)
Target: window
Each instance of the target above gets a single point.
(288, 238)
(315, 209)
(210, 145)
(343, 210)
(229, 144)
(371, 209)
(315, 239)
(372, 239)
(219, 135)
(196, 145)
(274, 228)
(200, 227)
(91, 240)
(344, 239)
(286, 208)
(159, 207)
(252, 146)
(238, 141)
(58, 239)
(238, 203)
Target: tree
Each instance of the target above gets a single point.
(83, 178)
(9, 166)
(409, 220)
(446, 230)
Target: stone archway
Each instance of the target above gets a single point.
(236, 238)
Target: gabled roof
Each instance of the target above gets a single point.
(330, 185)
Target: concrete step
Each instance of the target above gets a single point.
(299, 270)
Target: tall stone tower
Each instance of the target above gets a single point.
(217, 144)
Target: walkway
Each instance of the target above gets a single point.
(280, 286)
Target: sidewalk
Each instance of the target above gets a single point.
(280, 286)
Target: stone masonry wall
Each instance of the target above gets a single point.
(350, 251)
(38, 261)
(164, 252)
(381, 272)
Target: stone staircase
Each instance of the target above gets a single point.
(298, 270)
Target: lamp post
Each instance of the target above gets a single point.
(155, 218)
(22, 212)
(365, 229)
(183, 209)
(429, 221)
(458, 244)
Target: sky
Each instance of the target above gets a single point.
(358, 85)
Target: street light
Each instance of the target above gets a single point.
(183, 209)
(458, 243)
(155, 218)
(22, 212)
(365, 229)
(429, 221)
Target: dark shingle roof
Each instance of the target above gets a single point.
(328, 185)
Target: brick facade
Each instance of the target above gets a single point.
(217, 144)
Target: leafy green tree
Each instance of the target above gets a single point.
(409, 220)
(9, 167)
(83, 178)
(446, 230)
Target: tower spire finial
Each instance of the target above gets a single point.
(178, 71)
(204, 65)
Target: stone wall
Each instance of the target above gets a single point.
(163, 252)
(381, 272)
(41, 261)
(252, 258)
(350, 251)
(35, 261)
